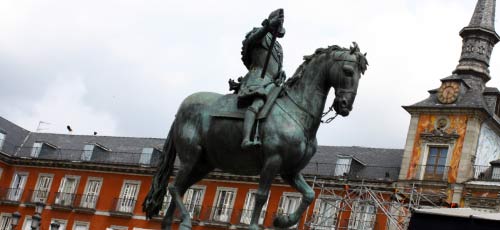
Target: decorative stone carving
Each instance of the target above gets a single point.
(439, 136)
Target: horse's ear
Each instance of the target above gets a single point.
(354, 48)
(365, 54)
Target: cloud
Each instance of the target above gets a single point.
(135, 61)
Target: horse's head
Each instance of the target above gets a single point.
(343, 75)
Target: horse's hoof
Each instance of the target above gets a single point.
(285, 221)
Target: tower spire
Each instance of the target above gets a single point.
(478, 40)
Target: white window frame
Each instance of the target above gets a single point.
(423, 159)
(342, 165)
(66, 198)
(127, 204)
(194, 209)
(87, 152)
(166, 202)
(227, 211)
(5, 220)
(3, 136)
(249, 206)
(146, 156)
(81, 223)
(15, 194)
(360, 215)
(27, 223)
(89, 199)
(321, 219)
(36, 149)
(60, 221)
(36, 196)
(283, 204)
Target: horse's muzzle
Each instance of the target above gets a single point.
(342, 106)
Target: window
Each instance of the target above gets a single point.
(66, 192)
(193, 199)
(81, 225)
(362, 216)
(343, 165)
(223, 205)
(17, 186)
(166, 202)
(5, 220)
(42, 188)
(289, 202)
(326, 210)
(62, 223)
(146, 156)
(436, 163)
(37, 148)
(128, 197)
(27, 223)
(2, 139)
(87, 152)
(249, 206)
(92, 189)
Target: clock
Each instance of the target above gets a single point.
(448, 92)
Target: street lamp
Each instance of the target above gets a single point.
(15, 219)
(37, 218)
(39, 207)
(55, 225)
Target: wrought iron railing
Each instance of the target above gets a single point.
(245, 216)
(486, 173)
(11, 194)
(65, 199)
(431, 172)
(86, 201)
(123, 205)
(38, 196)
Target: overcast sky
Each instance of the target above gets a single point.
(123, 67)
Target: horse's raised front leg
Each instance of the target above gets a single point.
(298, 182)
(269, 171)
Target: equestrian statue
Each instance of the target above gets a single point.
(266, 127)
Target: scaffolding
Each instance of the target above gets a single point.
(365, 206)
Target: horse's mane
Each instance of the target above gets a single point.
(362, 62)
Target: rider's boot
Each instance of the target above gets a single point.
(248, 123)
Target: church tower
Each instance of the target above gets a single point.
(453, 138)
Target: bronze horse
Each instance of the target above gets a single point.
(288, 136)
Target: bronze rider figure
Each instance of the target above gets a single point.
(262, 77)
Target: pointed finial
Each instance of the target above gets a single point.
(479, 38)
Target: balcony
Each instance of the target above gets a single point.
(85, 203)
(486, 173)
(64, 201)
(245, 216)
(123, 207)
(11, 195)
(431, 172)
(38, 196)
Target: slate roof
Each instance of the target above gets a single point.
(14, 136)
(371, 163)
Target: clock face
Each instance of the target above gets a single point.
(448, 92)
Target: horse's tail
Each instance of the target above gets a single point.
(154, 200)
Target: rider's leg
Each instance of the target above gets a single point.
(249, 121)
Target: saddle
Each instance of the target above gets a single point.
(227, 106)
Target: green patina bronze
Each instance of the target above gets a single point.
(205, 140)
